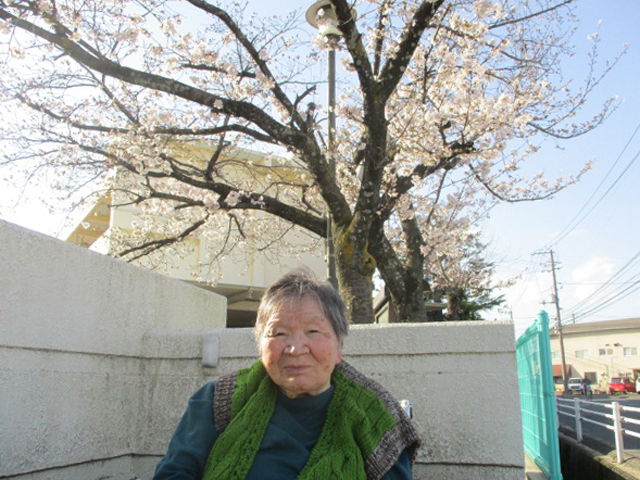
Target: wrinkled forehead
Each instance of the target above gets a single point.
(274, 308)
(308, 304)
(276, 302)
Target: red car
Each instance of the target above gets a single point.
(621, 384)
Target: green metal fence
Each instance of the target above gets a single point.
(537, 396)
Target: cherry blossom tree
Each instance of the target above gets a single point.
(464, 279)
(442, 103)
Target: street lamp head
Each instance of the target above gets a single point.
(322, 15)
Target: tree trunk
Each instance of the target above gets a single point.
(411, 305)
(354, 269)
(405, 284)
(454, 304)
(356, 291)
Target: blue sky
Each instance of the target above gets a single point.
(588, 252)
(592, 227)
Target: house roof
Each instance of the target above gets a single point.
(591, 327)
(383, 297)
(93, 225)
(557, 370)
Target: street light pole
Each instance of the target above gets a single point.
(331, 77)
(322, 16)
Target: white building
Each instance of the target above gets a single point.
(598, 351)
(241, 278)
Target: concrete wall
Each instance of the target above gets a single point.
(581, 462)
(74, 379)
(98, 358)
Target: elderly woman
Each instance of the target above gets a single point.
(299, 412)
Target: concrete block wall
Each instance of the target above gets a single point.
(73, 378)
(98, 359)
(460, 377)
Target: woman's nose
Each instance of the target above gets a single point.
(297, 345)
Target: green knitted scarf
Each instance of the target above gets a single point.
(361, 437)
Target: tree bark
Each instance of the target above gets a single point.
(354, 268)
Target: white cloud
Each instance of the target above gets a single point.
(587, 277)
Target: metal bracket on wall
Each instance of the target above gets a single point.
(210, 350)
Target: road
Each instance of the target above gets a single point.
(601, 438)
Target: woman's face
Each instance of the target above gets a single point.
(300, 349)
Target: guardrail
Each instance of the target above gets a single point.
(577, 408)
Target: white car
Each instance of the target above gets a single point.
(577, 385)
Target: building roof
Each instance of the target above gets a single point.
(591, 327)
(94, 223)
(557, 370)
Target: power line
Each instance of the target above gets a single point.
(613, 290)
(577, 220)
(610, 282)
(612, 299)
(571, 225)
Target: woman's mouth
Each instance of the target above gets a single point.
(296, 369)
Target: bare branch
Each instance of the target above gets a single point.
(156, 82)
(531, 16)
(147, 248)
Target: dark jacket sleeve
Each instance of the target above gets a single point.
(401, 470)
(192, 440)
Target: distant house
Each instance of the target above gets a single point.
(242, 278)
(598, 351)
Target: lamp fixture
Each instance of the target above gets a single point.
(322, 15)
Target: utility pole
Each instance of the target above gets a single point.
(559, 323)
(556, 300)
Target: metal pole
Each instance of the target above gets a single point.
(617, 430)
(322, 15)
(559, 324)
(331, 259)
(576, 407)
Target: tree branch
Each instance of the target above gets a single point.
(154, 245)
(396, 65)
(241, 109)
(250, 201)
(379, 33)
(496, 194)
(153, 131)
(212, 68)
(533, 15)
(353, 42)
(255, 55)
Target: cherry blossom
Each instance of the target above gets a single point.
(211, 123)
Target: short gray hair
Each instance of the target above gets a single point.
(296, 285)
